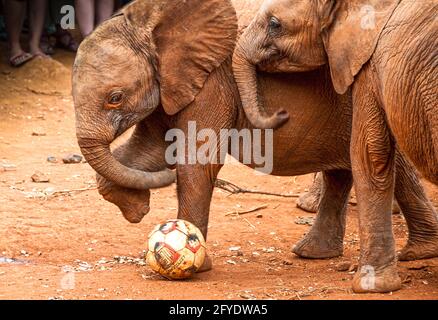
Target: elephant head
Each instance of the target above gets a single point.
(302, 35)
(144, 150)
(152, 52)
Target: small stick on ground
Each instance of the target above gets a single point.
(234, 189)
(69, 191)
(43, 194)
(239, 213)
(249, 223)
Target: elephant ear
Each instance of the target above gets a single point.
(351, 31)
(192, 38)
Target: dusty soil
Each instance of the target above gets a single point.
(75, 245)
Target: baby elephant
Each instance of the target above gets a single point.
(162, 64)
(385, 53)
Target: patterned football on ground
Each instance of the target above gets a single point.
(176, 249)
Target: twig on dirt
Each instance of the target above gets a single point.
(45, 194)
(239, 213)
(234, 189)
(249, 223)
(70, 191)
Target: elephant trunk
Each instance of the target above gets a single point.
(245, 74)
(101, 159)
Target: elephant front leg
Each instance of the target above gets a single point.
(195, 188)
(372, 155)
(325, 238)
(421, 216)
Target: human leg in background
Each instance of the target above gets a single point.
(14, 11)
(37, 16)
(64, 38)
(104, 10)
(85, 15)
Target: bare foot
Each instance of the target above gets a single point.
(39, 53)
(370, 280)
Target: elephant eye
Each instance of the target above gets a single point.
(274, 24)
(115, 100)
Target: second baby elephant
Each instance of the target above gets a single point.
(385, 52)
(120, 79)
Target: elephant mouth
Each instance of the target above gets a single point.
(135, 215)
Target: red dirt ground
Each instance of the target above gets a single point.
(76, 230)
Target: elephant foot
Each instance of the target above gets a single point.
(316, 247)
(369, 280)
(419, 250)
(207, 265)
(309, 201)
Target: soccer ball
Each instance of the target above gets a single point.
(176, 249)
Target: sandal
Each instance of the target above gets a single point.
(45, 45)
(65, 40)
(20, 59)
